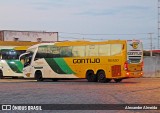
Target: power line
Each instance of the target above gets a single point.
(102, 34)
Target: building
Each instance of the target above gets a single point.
(154, 53)
(31, 36)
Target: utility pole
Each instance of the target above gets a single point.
(150, 43)
(158, 24)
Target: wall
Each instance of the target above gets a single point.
(30, 36)
(1, 35)
(152, 66)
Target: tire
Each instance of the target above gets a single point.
(1, 74)
(91, 77)
(101, 77)
(117, 80)
(38, 76)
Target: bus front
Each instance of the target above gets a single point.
(134, 59)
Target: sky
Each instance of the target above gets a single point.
(94, 20)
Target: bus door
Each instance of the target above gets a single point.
(26, 59)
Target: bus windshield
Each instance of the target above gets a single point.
(10, 54)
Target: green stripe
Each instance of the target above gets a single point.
(64, 66)
(59, 66)
(51, 62)
(15, 65)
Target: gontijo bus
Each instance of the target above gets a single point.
(95, 61)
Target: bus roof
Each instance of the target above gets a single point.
(13, 43)
(76, 43)
(41, 44)
(21, 47)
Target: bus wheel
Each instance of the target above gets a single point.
(1, 74)
(38, 76)
(101, 77)
(91, 77)
(117, 80)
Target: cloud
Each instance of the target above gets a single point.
(115, 11)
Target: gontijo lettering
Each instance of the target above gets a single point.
(134, 53)
(87, 60)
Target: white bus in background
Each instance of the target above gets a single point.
(10, 66)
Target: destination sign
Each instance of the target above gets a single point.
(135, 53)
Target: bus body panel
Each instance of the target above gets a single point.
(11, 68)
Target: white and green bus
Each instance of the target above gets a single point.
(10, 66)
(94, 61)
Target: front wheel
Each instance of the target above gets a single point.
(38, 76)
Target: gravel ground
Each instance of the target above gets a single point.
(129, 91)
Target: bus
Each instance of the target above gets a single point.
(94, 61)
(10, 66)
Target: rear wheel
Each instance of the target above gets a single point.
(91, 77)
(101, 77)
(38, 76)
(1, 74)
(117, 80)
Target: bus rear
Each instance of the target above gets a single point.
(134, 64)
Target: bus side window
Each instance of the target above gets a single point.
(78, 51)
(66, 52)
(116, 49)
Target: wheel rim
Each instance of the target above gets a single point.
(101, 77)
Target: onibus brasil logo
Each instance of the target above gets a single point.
(21, 107)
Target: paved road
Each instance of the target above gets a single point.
(129, 91)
